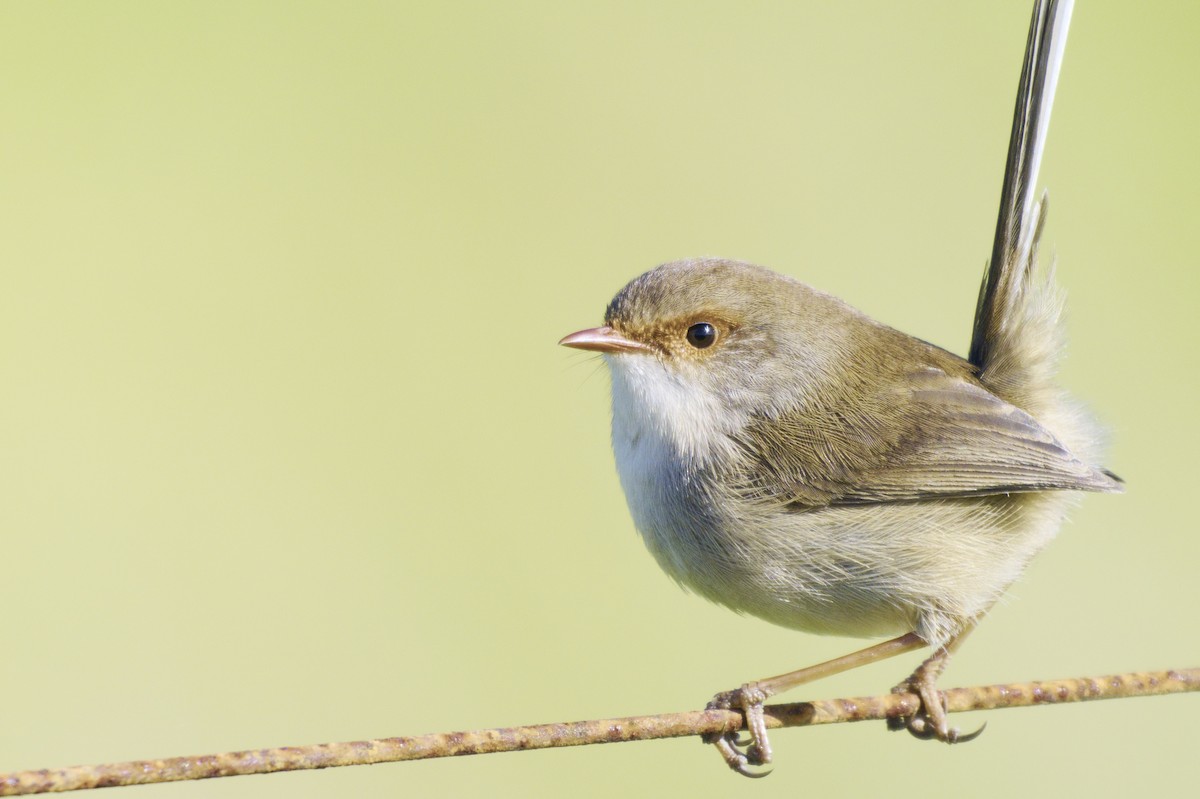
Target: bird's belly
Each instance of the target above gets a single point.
(861, 571)
(865, 570)
(746, 558)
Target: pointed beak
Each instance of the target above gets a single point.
(603, 339)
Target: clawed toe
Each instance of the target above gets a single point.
(956, 737)
(929, 722)
(918, 725)
(929, 719)
(741, 752)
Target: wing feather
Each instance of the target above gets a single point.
(932, 434)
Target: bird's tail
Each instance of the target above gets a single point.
(1018, 336)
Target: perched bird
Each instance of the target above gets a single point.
(786, 456)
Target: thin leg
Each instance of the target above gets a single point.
(750, 697)
(930, 721)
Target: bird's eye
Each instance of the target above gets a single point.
(701, 335)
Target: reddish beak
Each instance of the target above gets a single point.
(603, 339)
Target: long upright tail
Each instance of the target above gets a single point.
(1017, 336)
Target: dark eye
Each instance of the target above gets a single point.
(701, 335)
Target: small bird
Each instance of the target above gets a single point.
(787, 456)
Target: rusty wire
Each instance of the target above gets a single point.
(579, 733)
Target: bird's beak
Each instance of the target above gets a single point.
(603, 339)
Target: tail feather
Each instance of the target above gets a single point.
(1018, 336)
(1020, 221)
(1028, 336)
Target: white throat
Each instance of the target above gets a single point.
(653, 407)
(664, 433)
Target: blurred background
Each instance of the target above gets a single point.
(288, 453)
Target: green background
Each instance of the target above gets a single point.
(288, 453)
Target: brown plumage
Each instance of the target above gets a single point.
(787, 456)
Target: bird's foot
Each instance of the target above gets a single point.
(929, 720)
(739, 753)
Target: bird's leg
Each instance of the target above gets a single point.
(930, 720)
(741, 754)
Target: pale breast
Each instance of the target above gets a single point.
(664, 438)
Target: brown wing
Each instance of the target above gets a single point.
(930, 435)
